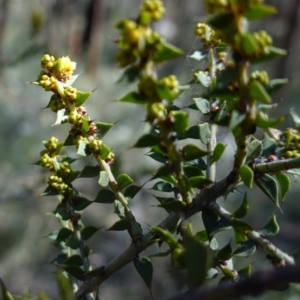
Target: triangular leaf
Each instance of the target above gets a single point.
(258, 92)
(167, 52)
(271, 228)
(191, 152)
(269, 186)
(218, 152)
(246, 249)
(225, 253)
(74, 260)
(131, 191)
(119, 225)
(284, 183)
(204, 133)
(123, 181)
(210, 219)
(247, 175)
(88, 231)
(145, 269)
(133, 97)
(163, 186)
(105, 196)
(81, 97)
(80, 203)
(103, 128)
(147, 140)
(175, 205)
(242, 211)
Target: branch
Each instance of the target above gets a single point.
(207, 195)
(255, 236)
(255, 285)
(276, 166)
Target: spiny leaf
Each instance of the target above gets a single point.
(225, 253)
(258, 92)
(247, 175)
(50, 191)
(269, 186)
(102, 129)
(196, 259)
(218, 152)
(119, 225)
(167, 52)
(147, 140)
(105, 150)
(271, 228)
(284, 183)
(133, 97)
(191, 152)
(123, 181)
(210, 219)
(175, 205)
(130, 75)
(105, 196)
(163, 186)
(74, 260)
(259, 11)
(88, 231)
(242, 211)
(81, 97)
(246, 249)
(131, 191)
(254, 150)
(145, 269)
(80, 203)
(89, 172)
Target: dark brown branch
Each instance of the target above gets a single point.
(256, 284)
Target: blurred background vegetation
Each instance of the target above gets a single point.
(83, 29)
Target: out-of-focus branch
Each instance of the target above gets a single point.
(256, 284)
(276, 166)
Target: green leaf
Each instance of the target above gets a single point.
(210, 219)
(199, 182)
(259, 11)
(239, 237)
(69, 140)
(240, 225)
(242, 211)
(147, 140)
(225, 253)
(191, 133)
(81, 97)
(269, 52)
(102, 129)
(284, 183)
(258, 92)
(271, 228)
(249, 45)
(61, 116)
(269, 145)
(63, 213)
(65, 286)
(158, 157)
(162, 171)
(275, 84)
(82, 148)
(254, 150)
(50, 191)
(59, 259)
(105, 196)
(123, 181)
(191, 152)
(191, 171)
(247, 249)
(74, 260)
(220, 225)
(89, 172)
(196, 259)
(119, 209)
(162, 254)
(105, 150)
(80, 203)
(103, 179)
(203, 105)
(167, 52)
(263, 121)
(245, 272)
(145, 269)
(218, 152)
(175, 205)
(119, 225)
(247, 175)
(220, 21)
(203, 78)
(202, 236)
(269, 186)
(163, 186)
(75, 271)
(181, 121)
(205, 133)
(131, 191)
(85, 124)
(72, 242)
(133, 97)
(131, 74)
(88, 232)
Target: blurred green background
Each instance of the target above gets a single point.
(83, 29)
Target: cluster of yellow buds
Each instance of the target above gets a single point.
(263, 38)
(48, 83)
(70, 93)
(208, 36)
(57, 183)
(151, 10)
(261, 76)
(51, 145)
(46, 161)
(147, 87)
(64, 169)
(95, 146)
(56, 103)
(291, 139)
(79, 138)
(75, 118)
(171, 82)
